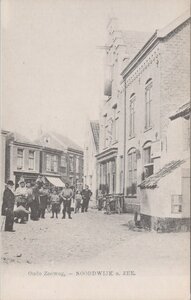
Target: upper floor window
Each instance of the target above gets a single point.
(115, 125)
(132, 116)
(63, 164)
(77, 165)
(31, 159)
(20, 156)
(105, 131)
(132, 173)
(71, 163)
(148, 161)
(51, 163)
(148, 100)
(54, 164)
(48, 162)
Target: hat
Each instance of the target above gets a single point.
(10, 182)
(21, 180)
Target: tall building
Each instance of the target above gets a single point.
(120, 47)
(137, 156)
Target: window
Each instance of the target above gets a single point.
(51, 163)
(115, 124)
(148, 100)
(132, 116)
(63, 161)
(113, 171)
(48, 162)
(77, 165)
(105, 131)
(176, 204)
(148, 161)
(54, 163)
(31, 160)
(20, 153)
(121, 175)
(71, 164)
(132, 173)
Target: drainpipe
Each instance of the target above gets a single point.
(124, 149)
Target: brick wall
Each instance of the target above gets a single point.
(175, 72)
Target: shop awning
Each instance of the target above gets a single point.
(56, 181)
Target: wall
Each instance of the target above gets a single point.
(135, 83)
(26, 158)
(175, 72)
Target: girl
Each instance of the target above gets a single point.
(55, 203)
(78, 199)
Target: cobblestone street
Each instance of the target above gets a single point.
(95, 241)
(93, 236)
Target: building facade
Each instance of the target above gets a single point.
(147, 84)
(120, 47)
(55, 158)
(61, 159)
(22, 158)
(91, 148)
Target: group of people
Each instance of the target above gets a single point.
(36, 199)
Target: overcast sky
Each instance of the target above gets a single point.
(52, 71)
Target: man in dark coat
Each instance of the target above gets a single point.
(35, 203)
(86, 195)
(8, 206)
(43, 198)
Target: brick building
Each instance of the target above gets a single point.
(61, 159)
(156, 82)
(52, 156)
(120, 47)
(149, 78)
(22, 158)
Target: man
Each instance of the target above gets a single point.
(21, 198)
(35, 203)
(66, 197)
(8, 206)
(43, 199)
(86, 195)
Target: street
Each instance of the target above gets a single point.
(95, 237)
(64, 254)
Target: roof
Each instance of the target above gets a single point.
(19, 138)
(57, 141)
(181, 111)
(134, 41)
(151, 181)
(67, 141)
(152, 41)
(95, 131)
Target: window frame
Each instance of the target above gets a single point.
(20, 158)
(32, 159)
(148, 103)
(148, 165)
(178, 204)
(132, 173)
(132, 116)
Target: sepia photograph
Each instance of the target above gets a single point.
(95, 150)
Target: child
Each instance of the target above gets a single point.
(78, 199)
(55, 203)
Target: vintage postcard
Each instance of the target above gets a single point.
(95, 150)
